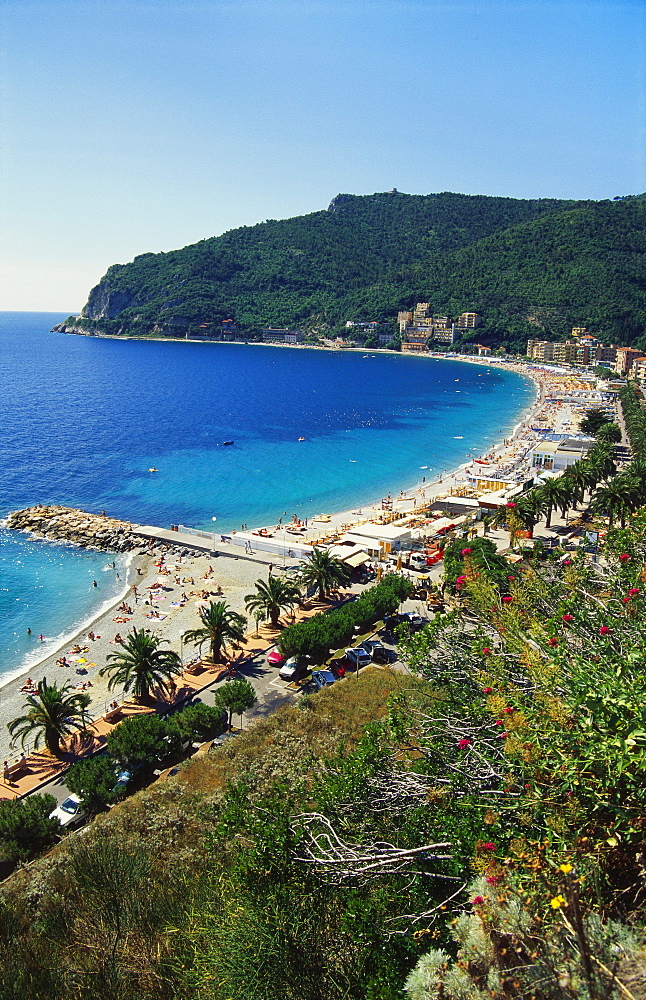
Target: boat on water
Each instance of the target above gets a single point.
(301, 439)
(153, 469)
(228, 442)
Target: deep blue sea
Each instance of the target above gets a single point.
(83, 420)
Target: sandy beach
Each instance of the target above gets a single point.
(231, 578)
(558, 405)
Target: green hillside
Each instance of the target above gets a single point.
(529, 266)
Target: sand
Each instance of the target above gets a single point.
(236, 577)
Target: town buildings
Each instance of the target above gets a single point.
(421, 325)
(581, 349)
(282, 336)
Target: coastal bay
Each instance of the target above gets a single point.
(372, 424)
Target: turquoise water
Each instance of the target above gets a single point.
(84, 419)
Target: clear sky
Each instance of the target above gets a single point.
(129, 126)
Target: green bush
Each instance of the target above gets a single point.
(94, 781)
(330, 630)
(143, 741)
(25, 828)
(200, 720)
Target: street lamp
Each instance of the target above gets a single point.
(214, 519)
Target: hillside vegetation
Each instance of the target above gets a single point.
(474, 830)
(530, 267)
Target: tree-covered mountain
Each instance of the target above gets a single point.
(529, 266)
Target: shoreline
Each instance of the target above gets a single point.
(239, 577)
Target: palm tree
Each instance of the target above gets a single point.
(601, 461)
(53, 713)
(553, 493)
(323, 571)
(142, 664)
(271, 597)
(219, 623)
(619, 496)
(609, 434)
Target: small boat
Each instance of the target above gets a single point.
(228, 442)
(153, 469)
(301, 439)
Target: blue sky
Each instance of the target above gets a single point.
(136, 125)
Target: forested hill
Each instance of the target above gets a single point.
(519, 262)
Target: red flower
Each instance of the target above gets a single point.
(486, 651)
(553, 642)
(604, 630)
(624, 600)
(510, 504)
(567, 562)
(477, 900)
(633, 592)
(463, 744)
(467, 552)
(487, 690)
(511, 577)
(488, 846)
(624, 557)
(499, 722)
(508, 710)
(492, 879)
(568, 618)
(507, 599)
(502, 736)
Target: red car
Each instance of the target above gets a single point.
(275, 659)
(339, 666)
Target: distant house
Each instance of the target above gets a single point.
(483, 352)
(282, 336)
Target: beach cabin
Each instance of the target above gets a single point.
(557, 456)
(378, 539)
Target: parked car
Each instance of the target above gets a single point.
(378, 652)
(414, 620)
(358, 657)
(70, 812)
(275, 658)
(293, 669)
(339, 666)
(418, 561)
(323, 678)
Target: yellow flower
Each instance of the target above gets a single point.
(566, 869)
(557, 902)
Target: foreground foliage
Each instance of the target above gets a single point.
(471, 831)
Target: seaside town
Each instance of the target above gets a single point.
(177, 571)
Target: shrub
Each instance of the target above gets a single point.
(143, 741)
(25, 828)
(94, 781)
(200, 720)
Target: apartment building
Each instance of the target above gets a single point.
(638, 372)
(626, 357)
(282, 336)
(468, 321)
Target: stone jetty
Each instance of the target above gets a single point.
(65, 524)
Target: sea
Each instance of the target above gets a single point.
(84, 420)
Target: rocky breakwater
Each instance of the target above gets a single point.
(65, 524)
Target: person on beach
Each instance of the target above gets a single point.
(41, 638)
(6, 774)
